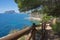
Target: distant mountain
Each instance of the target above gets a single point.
(11, 12)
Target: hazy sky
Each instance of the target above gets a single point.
(6, 5)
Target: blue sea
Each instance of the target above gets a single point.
(12, 21)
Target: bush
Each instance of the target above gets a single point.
(56, 27)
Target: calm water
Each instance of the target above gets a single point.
(10, 22)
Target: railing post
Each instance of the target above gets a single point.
(33, 31)
(43, 31)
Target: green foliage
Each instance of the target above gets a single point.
(50, 7)
(25, 5)
(46, 18)
(56, 27)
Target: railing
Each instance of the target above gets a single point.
(32, 30)
(15, 36)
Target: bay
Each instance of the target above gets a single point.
(12, 21)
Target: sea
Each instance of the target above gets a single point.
(13, 21)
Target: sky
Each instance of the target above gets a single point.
(6, 5)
